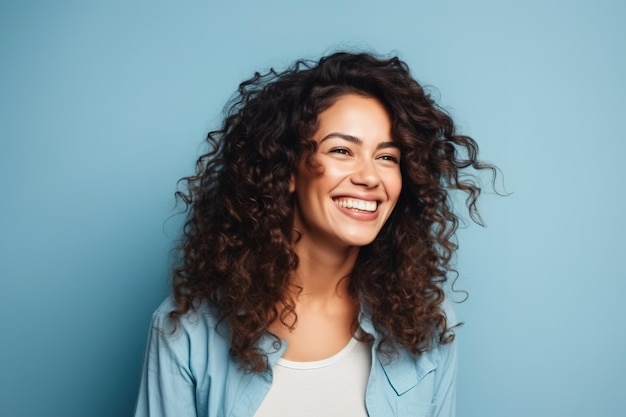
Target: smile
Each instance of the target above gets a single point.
(356, 204)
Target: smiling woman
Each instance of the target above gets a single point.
(319, 234)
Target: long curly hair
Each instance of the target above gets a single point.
(237, 251)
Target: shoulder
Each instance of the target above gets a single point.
(201, 314)
(182, 361)
(195, 330)
(442, 355)
(448, 310)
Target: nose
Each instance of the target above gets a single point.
(366, 174)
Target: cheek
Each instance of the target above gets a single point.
(394, 185)
(323, 181)
(332, 169)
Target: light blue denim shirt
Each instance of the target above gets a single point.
(191, 373)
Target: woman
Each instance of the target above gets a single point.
(319, 234)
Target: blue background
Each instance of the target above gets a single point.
(104, 105)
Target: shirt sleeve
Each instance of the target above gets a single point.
(167, 385)
(445, 389)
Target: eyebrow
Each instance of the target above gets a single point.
(357, 141)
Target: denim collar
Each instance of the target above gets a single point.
(403, 371)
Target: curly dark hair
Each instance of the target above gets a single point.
(238, 249)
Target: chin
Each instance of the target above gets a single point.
(360, 241)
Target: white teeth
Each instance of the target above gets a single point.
(353, 203)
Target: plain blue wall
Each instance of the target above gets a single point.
(103, 106)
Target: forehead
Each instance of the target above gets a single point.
(355, 115)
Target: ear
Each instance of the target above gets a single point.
(292, 183)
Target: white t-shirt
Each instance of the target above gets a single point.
(329, 387)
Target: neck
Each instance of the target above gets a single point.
(322, 273)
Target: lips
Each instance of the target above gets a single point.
(356, 204)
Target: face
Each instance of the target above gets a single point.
(347, 199)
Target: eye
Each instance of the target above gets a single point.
(340, 151)
(390, 158)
